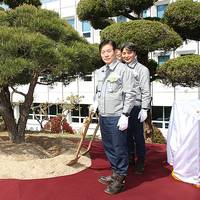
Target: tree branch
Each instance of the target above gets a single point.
(2, 109)
(18, 92)
(127, 15)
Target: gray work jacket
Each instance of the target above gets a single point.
(143, 91)
(115, 89)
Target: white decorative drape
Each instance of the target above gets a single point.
(183, 141)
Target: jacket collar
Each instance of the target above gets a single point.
(133, 63)
(111, 65)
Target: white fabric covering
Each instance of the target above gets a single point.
(183, 141)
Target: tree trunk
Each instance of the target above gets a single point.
(40, 122)
(7, 113)
(24, 110)
(16, 129)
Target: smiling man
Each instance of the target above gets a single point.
(115, 98)
(142, 104)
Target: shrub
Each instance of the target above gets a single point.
(47, 126)
(55, 125)
(156, 136)
(183, 71)
(67, 127)
(147, 35)
(184, 17)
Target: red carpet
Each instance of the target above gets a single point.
(155, 184)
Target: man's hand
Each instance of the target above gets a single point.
(123, 122)
(93, 107)
(142, 115)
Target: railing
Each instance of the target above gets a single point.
(79, 119)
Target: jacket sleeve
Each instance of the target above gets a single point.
(144, 82)
(128, 90)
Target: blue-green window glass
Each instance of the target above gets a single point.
(86, 29)
(53, 110)
(3, 5)
(144, 13)
(71, 21)
(163, 59)
(121, 19)
(161, 10)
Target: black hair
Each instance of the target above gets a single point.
(105, 42)
(130, 46)
(118, 48)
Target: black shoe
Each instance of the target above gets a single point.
(139, 166)
(106, 180)
(117, 186)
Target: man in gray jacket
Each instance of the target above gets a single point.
(115, 97)
(136, 141)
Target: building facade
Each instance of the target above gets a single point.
(162, 96)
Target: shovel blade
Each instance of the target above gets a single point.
(73, 161)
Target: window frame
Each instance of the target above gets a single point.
(67, 19)
(163, 11)
(164, 60)
(86, 33)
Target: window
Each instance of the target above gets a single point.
(163, 59)
(60, 110)
(161, 10)
(121, 19)
(187, 54)
(31, 111)
(87, 78)
(71, 21)
(30, 116)
(4, 6)
(53, 110)
(86, 29)
(75, 119)
(157, 113)
(43, 79)
(84, 110)
(36, 109)
(167, 112)
(160, 116)
(80, 114)
(166, 125)
(157, 124)
(144, 13)
(75, 112)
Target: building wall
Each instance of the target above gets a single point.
(67, 10)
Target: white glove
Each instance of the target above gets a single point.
(123, 123)
(142, 115)
(93, 107)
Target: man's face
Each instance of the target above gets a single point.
(108, 54)
(128, 56)
(118, 54)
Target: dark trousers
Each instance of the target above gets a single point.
(115, 144)
(136, 141)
